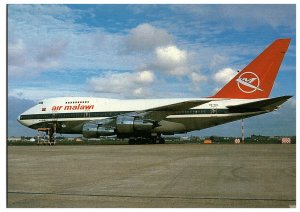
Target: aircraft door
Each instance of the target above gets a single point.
(87, 114)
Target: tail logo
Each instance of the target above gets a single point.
(248, 82)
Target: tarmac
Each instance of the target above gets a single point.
(152, 176)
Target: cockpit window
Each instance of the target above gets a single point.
(40, 103)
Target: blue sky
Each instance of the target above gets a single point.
(145, 51)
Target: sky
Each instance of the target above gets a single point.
(135, 51)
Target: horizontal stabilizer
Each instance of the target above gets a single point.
(265, 104)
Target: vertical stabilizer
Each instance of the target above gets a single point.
(257, 78)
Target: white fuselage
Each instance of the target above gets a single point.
(73, 112)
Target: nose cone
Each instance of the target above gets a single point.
(20, 121)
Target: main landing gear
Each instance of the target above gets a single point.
(142, 140)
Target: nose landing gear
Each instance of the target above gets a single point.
(51, 134)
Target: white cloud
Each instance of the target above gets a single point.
(46, 42)
(45, 38)
(241, 16)
(16, 50)
(145, 76)
(139, 92)
(171, 60)
(125, 83)
(217, 60)
(30, 60)
(51, 51)
(171, 55)
(248, 15)
(35, 39)
(197, 81)
(58, 38)
(38, 93)
(16, 56)
(197, 77)
(224, 75)
(146, 37)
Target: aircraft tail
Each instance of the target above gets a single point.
(257, 78)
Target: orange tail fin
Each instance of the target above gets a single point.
(256, 79)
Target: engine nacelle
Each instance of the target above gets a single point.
(129, 124)
(92, 130)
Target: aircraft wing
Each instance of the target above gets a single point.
(154, 114)
(180, 105)
(265, 104)
(159, 113)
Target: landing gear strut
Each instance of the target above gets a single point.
(51, 134)
(161, 140)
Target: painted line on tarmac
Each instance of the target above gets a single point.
(141, 196)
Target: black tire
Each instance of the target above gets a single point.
(152, 141)
(162, 140)
(131, 141)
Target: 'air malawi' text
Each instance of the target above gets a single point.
(73, 107)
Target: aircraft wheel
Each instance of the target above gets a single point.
(141, 140)
(161, 140)
(131, 141)
(152, 140)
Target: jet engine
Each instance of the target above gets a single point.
(130, 124)
(122, 125)
(94, 130)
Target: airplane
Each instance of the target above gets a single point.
(146, 120)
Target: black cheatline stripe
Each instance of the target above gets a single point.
(141, 196)
(114, 113)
